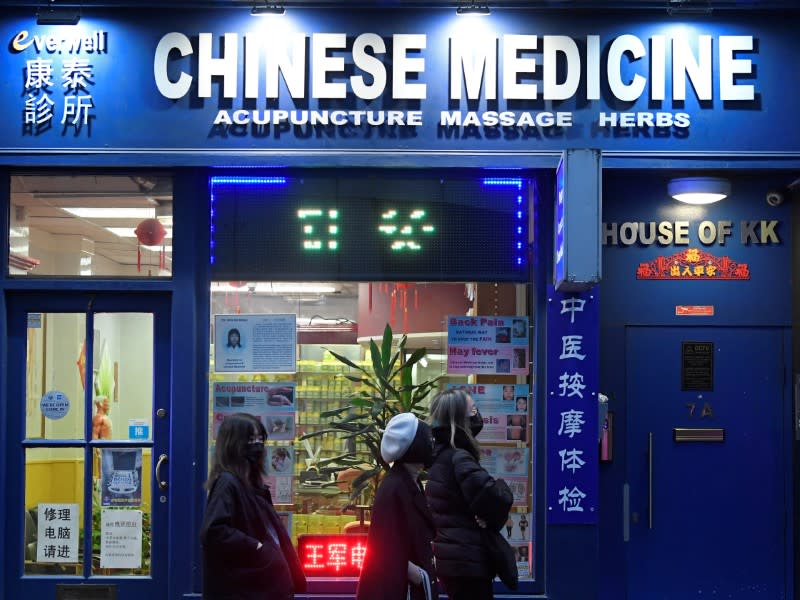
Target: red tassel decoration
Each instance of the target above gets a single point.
(416, 299)
(139, 258)
(369, 286)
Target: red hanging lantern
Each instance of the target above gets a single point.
(149, 232)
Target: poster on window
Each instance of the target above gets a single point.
(487, 345)
(57, 529)
(121, 539)
(510, 464)
(121, 473)
(255, 343)
(279, 467)
(272, 403)
(504, 409)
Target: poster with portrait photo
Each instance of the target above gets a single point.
(264, 343)
(488, 345)
(504, 409)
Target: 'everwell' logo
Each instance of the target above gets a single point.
(94, 43)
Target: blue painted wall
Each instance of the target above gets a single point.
(766, 299)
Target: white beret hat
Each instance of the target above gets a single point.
(397, 438)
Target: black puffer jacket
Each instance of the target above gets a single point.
(458, 490)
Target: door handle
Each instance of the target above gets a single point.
(161, 460)
(650, 480)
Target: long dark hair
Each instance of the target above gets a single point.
(230, 453)
(449, 409)
(238, 343)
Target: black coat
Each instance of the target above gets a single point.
(458, 490)
(235, 521)
(400, 530)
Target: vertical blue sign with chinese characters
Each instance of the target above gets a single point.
(572, 383)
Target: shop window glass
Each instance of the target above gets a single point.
(310, 487)
(90, 226)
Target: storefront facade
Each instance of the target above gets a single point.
(408, 159)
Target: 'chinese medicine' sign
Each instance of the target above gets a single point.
(572, 380)
(58, 533)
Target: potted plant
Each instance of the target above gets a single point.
(384, 389)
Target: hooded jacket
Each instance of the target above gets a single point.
(458, 490)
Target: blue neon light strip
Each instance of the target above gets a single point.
(222, 180)
(517, 183)
(228, 180)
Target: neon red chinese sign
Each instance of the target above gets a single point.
(337, 555)
(693, 263)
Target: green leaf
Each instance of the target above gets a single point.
(334, 412)
(386, 347)
(375, 355)
(345, 360)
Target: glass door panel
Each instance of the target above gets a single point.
(53, 511)
(122, 376)
(55, 376)
(121, 501)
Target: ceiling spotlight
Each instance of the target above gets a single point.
(473, 10)
(267, 8)
(699, 190)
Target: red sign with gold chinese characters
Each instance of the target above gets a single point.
(693, 263)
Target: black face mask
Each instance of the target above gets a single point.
(475, 424)
(255, 453)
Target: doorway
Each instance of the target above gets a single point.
(88, 435)
(707, 463)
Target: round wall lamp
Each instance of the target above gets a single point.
(699, 190)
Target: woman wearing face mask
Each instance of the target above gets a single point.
(463, 498)
(399, 561)
(247, 553)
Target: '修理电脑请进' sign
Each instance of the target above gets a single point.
(398, 81)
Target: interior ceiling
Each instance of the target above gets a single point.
(593, 5)
(40, 202)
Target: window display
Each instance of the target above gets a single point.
(324, 420)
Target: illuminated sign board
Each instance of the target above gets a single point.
(576, 236)
(225, 89)
(336, 555)
(372, 225)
